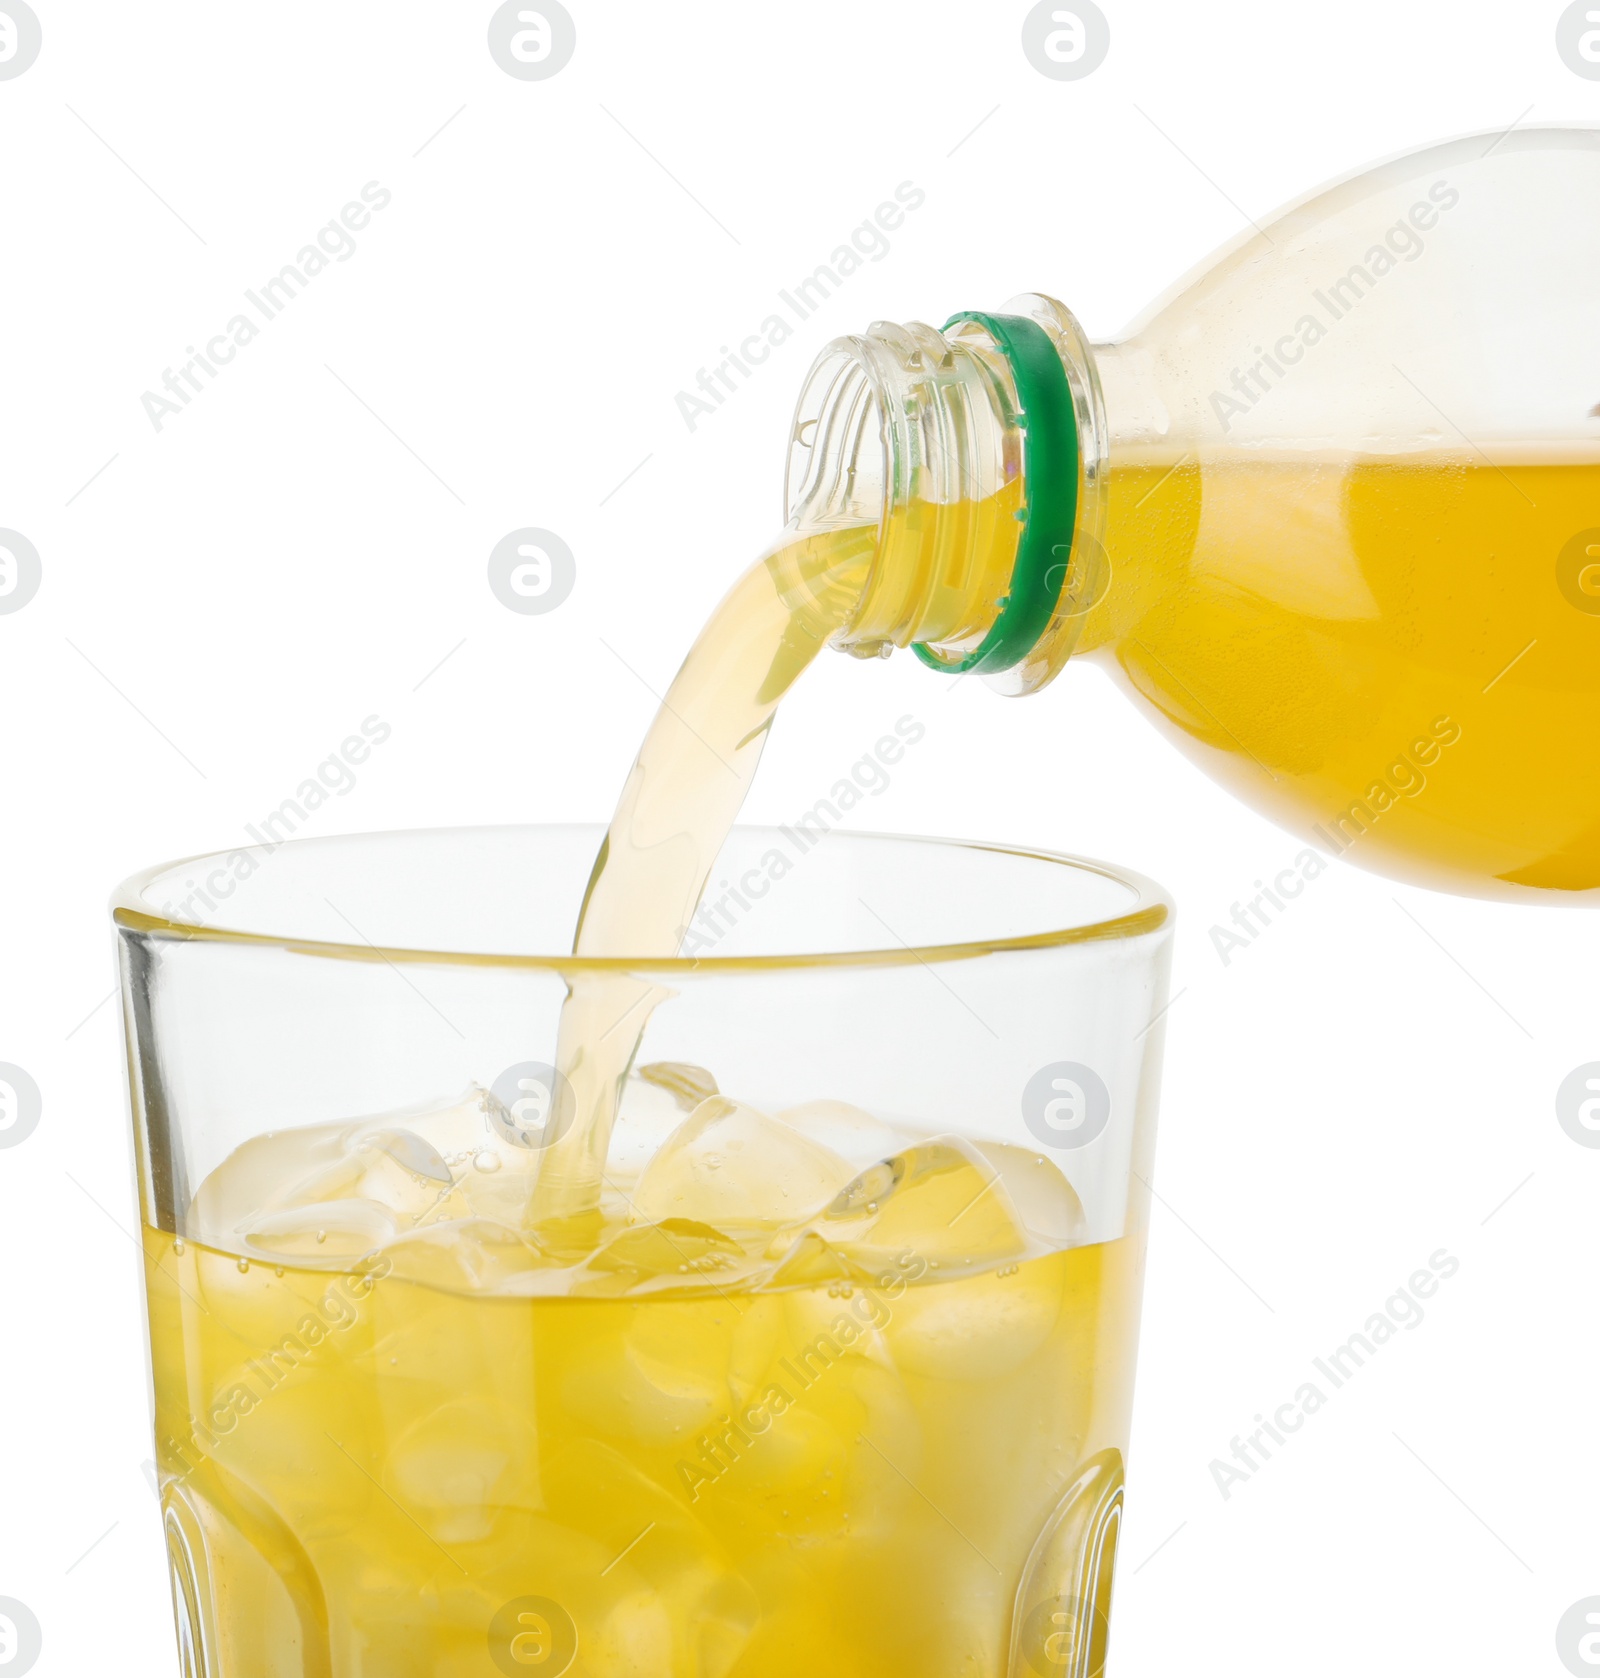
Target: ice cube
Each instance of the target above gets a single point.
(657, 1382)
(630, 1639)
(814, 1441)
(327, 1229)
(256, 1175)
(754, 1344)
(676, 1251)
(841, 1318)
(456, 1129)
(975, 1328)
(687, 1084)
(453, 1469)
(468, 1255)
(851, 1132)
(1047, 1204)
(402, 1171)
(415, 1156)
(416, 1172)
(648, 1111)
(390, 1170)
(669, 1598)
(940, 1200)
(808, 1261)
(800, 1460)
(734, 1168)
(245, 1297)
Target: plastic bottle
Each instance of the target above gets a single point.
(1331, 508)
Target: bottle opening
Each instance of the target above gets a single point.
(978, 455)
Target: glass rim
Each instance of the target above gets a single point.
(1151, 909)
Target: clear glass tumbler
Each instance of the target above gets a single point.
(839, 1381)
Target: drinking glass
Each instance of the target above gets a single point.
(837, 1380)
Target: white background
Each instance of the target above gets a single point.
(229, 597)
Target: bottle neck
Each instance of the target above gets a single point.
(926, 435)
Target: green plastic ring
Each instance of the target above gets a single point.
(1050, 483)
